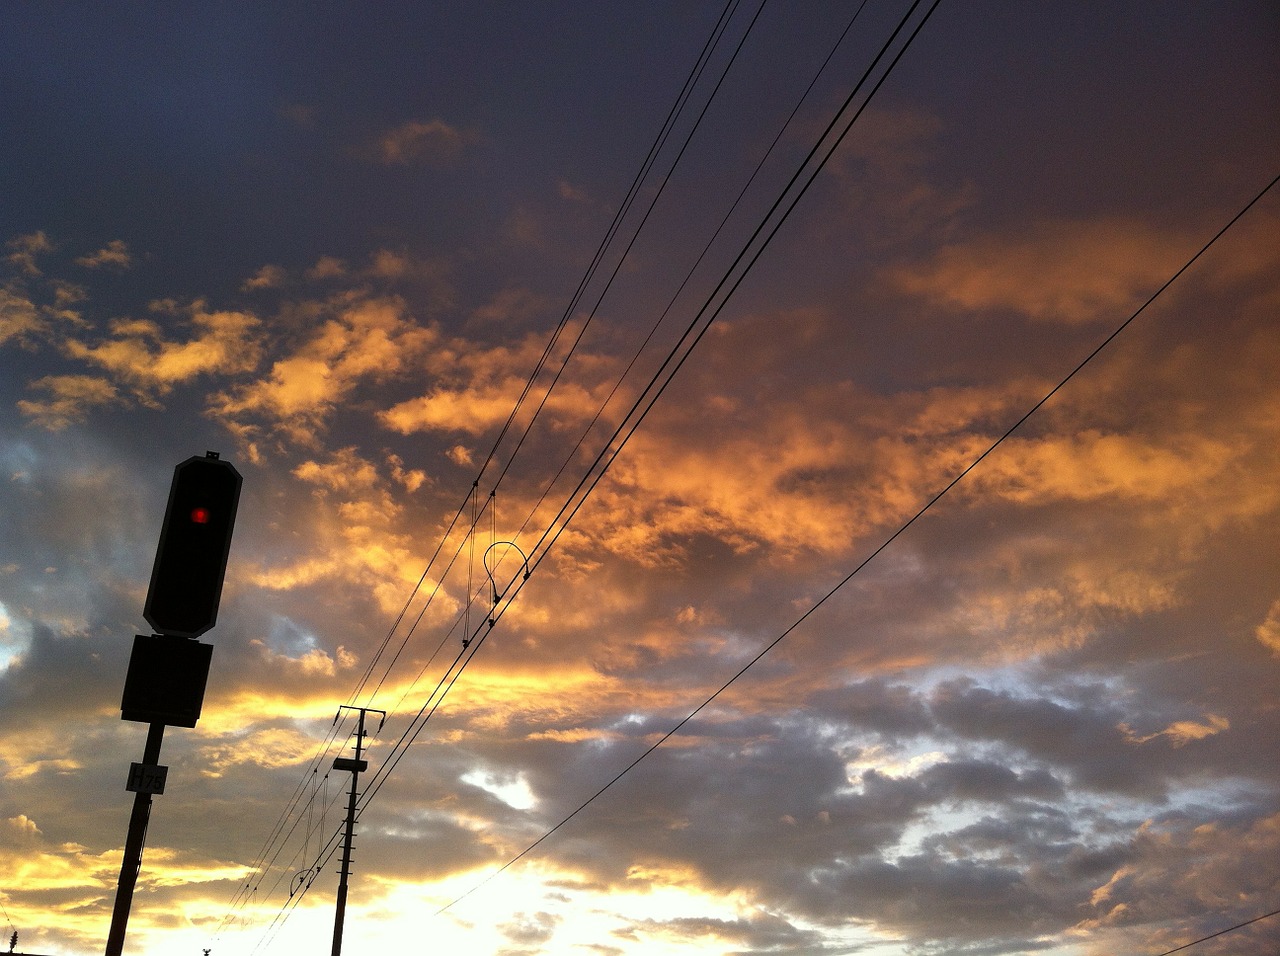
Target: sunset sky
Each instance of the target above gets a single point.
(609, 286)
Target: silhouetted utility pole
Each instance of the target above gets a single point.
(355, 765)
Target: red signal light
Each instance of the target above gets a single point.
(191, 559)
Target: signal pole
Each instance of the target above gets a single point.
(168, 671)
(132, 862)
(355, 765)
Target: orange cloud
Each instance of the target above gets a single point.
(477, 387)
(1092, 465)
(1268, 632)
(26, 249)
(327, 267)
(19, 317)
(24, 323)
(469, 412)
(268, 277)
(411, 478)
(114, 254)
(223, 344)
(222, 747)
(345, 471)
(368, 339)
(1063, 271)
(358, 540)
(71, 398)
(1182, 732)
(431, 141)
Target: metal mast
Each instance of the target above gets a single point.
(355, 765)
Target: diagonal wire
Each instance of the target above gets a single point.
(1221, 932)
(654, 390)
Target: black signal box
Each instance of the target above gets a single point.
(191, 560)
(166, 680)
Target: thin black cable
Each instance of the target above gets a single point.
(461, 510)
(633, 191)
(686, 91)
(695, 74)
(291, 902)
(261, 866)
(1221, 932)
(588, 481)
(455, 676)
(444, 639)
(395, 754)
(449, 679)
(653, 203)
(690, 82)
(724, 221)
(404, 643)
(888, 541)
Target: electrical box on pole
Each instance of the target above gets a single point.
(166, 680)
(195, 539)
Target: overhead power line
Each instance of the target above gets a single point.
(633, 192)
(803, 178)
(1221, 932)
(610, 451)
(281, 830)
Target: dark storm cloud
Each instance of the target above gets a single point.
(1086, 739)
(893, 710)
(764, 933)
(80, 674)
(776, 806)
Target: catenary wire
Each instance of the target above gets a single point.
(653, 330)
(728, 285)
(449, 677)
(654, 390)
(633, 191)
(481, 633)
(718, 32)
(1221, 932)
(592, 312)
(653, 203)
(704, 57)
(1033, 409)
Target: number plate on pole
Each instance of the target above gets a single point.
(146, 778)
